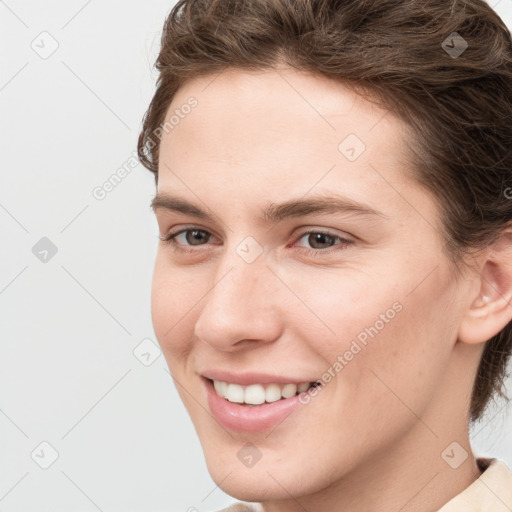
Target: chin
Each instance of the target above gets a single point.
(265, 481)
(254, 487)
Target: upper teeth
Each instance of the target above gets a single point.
(257, 393)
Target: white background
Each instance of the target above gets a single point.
(68, 374)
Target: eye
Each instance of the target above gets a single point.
(189, 237)
(321, 242)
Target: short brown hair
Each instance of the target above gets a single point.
(444, 68)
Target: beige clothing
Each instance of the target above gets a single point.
(491, 492)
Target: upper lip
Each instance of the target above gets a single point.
(245, 379)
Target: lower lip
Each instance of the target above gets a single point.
(244, 418)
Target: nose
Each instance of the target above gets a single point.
(242, 307)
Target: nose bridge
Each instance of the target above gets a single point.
(242, 274)
(240, 304)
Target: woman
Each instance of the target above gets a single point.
(332, 291)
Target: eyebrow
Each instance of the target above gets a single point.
(275, 212)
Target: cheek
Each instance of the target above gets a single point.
(340, 306)
(379, 324)
(171, 303)
(405, 361)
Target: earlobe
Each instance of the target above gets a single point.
(491, 310)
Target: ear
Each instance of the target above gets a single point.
(491, 309)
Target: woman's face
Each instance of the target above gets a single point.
(270, 288)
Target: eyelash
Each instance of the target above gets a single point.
(169, 239)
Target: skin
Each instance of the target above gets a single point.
(372, 439)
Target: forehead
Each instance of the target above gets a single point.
(255, 106)
(279, 133)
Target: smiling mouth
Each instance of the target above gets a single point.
(259, 394)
